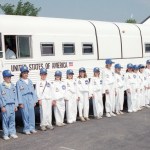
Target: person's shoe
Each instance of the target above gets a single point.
(82, 119)
(27, 132)
(140, 108)
(147, 106)
(59, 124)
(14, 136)
(98, 117)
(43, 128)
(118, 113)
(33, 131)
(121, 113)
(134, 110)
(50, 127)
(6, 138)
(112, 114)
(87, 119)
(63, 124)
(129, 111)
(108, 115)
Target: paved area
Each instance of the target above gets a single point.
(124, 132)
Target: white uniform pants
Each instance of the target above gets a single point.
(119, 99)
(59, 111)
(46, 113)
(144, 97)
(138, 101)
(147, 100)
(71, 109)
(83, 104)
(131, 99)
(110, 100)
(98, 104)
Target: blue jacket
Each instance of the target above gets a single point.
(8, 95)
(26, 92)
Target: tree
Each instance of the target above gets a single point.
(24, 9)
(131, 21)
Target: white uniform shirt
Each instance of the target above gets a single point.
(131, 80)
(120, 81)
(147, 74)
(71, 89)
(82, 84)
(59, 90)
(143, 80)
(44, 90)
(96, 85)
(10, 54)
(108, 78)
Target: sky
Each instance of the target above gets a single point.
(102, 10)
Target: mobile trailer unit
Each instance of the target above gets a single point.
(59, 44)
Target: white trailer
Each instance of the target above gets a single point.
(59, 44)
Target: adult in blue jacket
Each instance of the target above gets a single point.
(8, 104)
(27, 99)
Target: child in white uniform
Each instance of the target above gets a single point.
(96, 92)
(109, 88)
(59, 89)
(120, 87)
(71, 97)
(44, 93)
(143, 86)
(83, 95)
(147, 73)
(131, 88)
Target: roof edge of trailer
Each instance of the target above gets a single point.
(145, 20)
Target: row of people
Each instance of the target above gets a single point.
(70, 94)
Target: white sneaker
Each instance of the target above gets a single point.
(87, 119)
(121, 112)
(63, 124)
(50, 127)
(27, 132)
(33, 131)
(118, 113)
(108, 115)
(6, 138)
(134, 110)
(82, 119)
(147, 106)
(59, 124)
(112, 114)
(140, 108)
(98, 117)
(43, 128)
(14, 136)
(129, 111)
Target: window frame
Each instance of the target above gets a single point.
(83, 49)
(69, 43)
(41, 48)
(17, 46)
(145, 47)
(30, 46)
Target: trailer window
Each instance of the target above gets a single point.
(68, 49)
(87, 49)
(24, 46)
(18, 46)
(147, 48)
(1, 53)
(47, 49)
